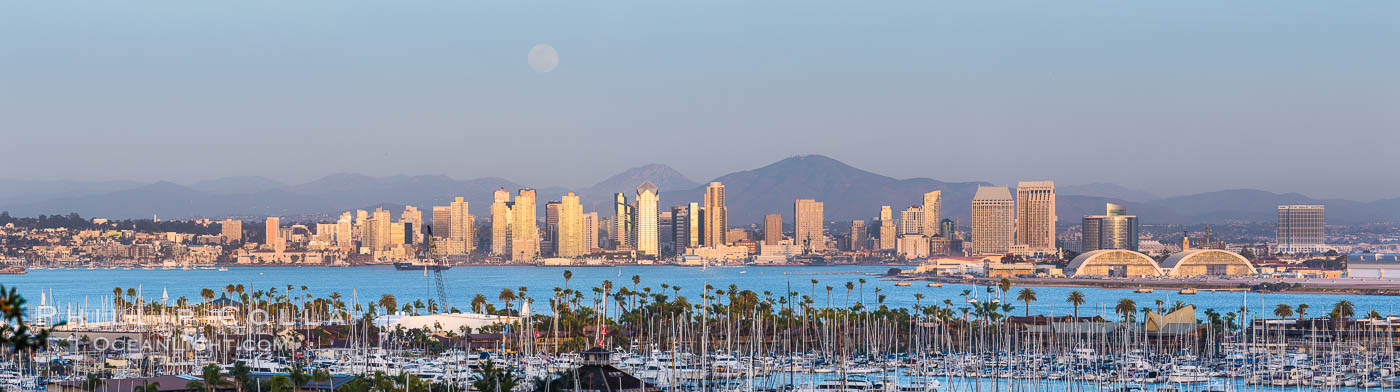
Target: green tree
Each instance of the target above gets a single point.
(1026, 295)
(1075, 298)
(1126, 307)
(1283, 311)
(14, 334)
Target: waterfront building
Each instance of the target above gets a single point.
(666, 231)
(735, 235)
(460, 228)
(231, 231)
(857, 237)
(931, 213)
(398, 231)
(1035, 216)
(1115, 263)
(716, 215)
(772, 229)
(442, 223)
(551, 229)
(1301, 229)
(1208, 262)
(647, 201)
(1373, 265)
(525, 232)
(273, 229)
(913, 246)
(344, 237)
(623, 222)
(911, 220)
(569, 228)
(808, 222)
(888, 232)
(590, 232)
(1115, 229)
(500, 222)
(380, 224)
(993, 216)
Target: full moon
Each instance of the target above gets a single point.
(543, 58)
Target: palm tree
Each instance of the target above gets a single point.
(1302, 310)
(211, 378)
(1283, 311)
(479, 303)
(1343, 309)
(389, 303)
(148, 387)
(242, 376)
(1126, 307)
(1075, 298)
(495, 379)
(507, 295)
(1026, 295)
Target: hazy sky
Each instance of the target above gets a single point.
(1171, 97)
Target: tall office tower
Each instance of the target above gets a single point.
(548, 244)
(808, 218)
(911, 220)
(383, 226)
(947, 228)
(857, 241)
(1301, 229)
(569, 230)
(932, 213)
(716, 215)
(442, 222)
(589, 238)
(665, 231)
(524, 231)
(993, 220)
(397, 232)
(686, 226)
(343, 236)
(772, 229)
(231, 231)
(1035, 215)
(460, 228)
(274, 228)
(500, 222)
(888, 231)
(647, 201)
(624, 221)
(1115, 229)
(414, 219)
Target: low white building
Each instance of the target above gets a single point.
(1373, 265)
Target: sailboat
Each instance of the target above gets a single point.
(164, 295)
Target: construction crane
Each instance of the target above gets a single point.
(437, 272)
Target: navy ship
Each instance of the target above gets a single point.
(416, 266)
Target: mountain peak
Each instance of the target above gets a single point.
(662, 176)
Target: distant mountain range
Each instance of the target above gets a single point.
(847, 192)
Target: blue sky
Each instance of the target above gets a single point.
(1176, 96)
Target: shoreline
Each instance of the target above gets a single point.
(1300, 286)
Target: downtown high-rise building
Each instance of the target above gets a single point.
(808, 220)
(413, 223)
(551, 229)
(716, 215)
(501, 220)
(231, 231)
(344, 231)
(590, 232)
(1115, 229)
(272, 236)
(1035, 216)
(569, 229)
(889, 234)
(442, 225)
(858, 235)
(772, 229)
(911, 220)
(1301, 229)
(524, 228)
(993, 220)
(624, 221)
(686, 226)
(459, 228)
(647, 219)
(931, 214)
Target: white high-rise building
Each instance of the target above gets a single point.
(569, 240)
(993, 220)
(716, 221)
(647, 200)
(590, 232)
(911, 220)
(1035, 216)
(501, 220)
(932, 213)
(460, 227)
(1301, 229)
(524, 229)
(808, 230)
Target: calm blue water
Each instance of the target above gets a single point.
(75, 286)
